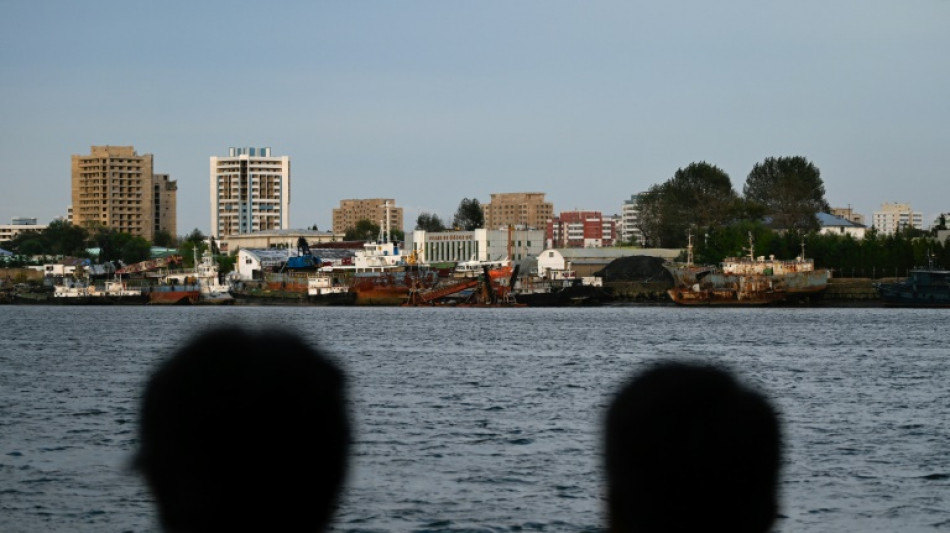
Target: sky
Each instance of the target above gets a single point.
(430, 102)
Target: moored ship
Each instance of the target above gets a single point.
(924, 287)
(113, 292)
(746, 280)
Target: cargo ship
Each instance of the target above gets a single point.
(746, 280)
(924, 287)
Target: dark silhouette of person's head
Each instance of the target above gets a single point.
(244, 431)
(688, 448)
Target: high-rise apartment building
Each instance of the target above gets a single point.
(117, 188)
(519, 209)
(250, 191)
(629, 222)
(581, 229)
(893, 218)
(373, 209)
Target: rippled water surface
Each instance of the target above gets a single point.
(489, 419)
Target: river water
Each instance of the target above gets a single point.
(489, 419)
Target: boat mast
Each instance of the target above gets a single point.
(689, 248)
(384, 225)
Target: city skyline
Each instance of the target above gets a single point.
(429, 102)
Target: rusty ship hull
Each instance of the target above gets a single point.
(747, 281)
(390, 287)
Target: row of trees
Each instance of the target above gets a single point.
(873, 256)
(61, 238)
(788, 191)
(468, 216)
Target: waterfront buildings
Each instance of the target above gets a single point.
(17, 226)
(895, 217)
(629, 222)
(250, 191)
(479, 245)
(581, 229)
(374, 210)
(285, 238)
(115, 187)
(519, 209)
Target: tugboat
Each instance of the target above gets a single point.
(924, 287)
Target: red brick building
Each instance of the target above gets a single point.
(581, 229)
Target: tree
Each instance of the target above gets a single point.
(59, 238)
(134, 249)
(469, 215)
(790, 189)
(650, 217)
(696, 197)
(108, 242)
(364, 230)
(429, 222)
(163, 238)
(195, 237)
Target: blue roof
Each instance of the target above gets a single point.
(829, 220)
(5, 252)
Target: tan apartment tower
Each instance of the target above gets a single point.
(519, 209)
(373, 209)
(250, 191)
(117, 188)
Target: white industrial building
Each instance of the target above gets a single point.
(481, 244)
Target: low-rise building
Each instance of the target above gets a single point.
(252, 263)
(17, 226)
(585, 261)
(836, 225)
(516, 243)
(278, 237)
(848, 214)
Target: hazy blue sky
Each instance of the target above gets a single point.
(429, 102)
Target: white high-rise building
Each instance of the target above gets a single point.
(896, 217)
(250, 191)
(629, 216)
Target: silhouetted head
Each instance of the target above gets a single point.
(244, 431)
(688, 448)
